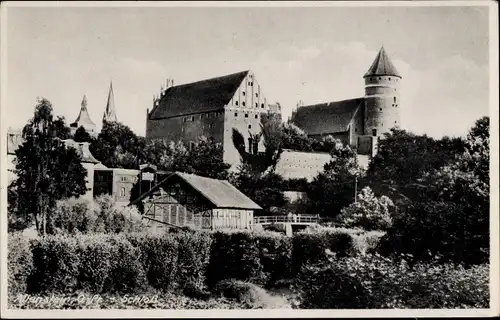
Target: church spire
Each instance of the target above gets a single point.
(109, 113)
(84, 117)
(382, 66)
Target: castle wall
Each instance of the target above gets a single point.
(381, 104)
(298, 164)
(342, 136)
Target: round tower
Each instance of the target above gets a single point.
(382, 109)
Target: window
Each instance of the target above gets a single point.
(380, 109)
(192, 118)
(395, 100)
(123, 179)
(389, 78)
(243, 103)
(243, 93)
(122, 192)
(380, 78)
(256, 105)
(249, 126)
(374, 132)
(236, 114)
(262, 105)
(257, 94)
(185, 119)
(201, 116)
(256, 116)
(246, 115)
(236, 102)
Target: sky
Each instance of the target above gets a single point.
(313, 54)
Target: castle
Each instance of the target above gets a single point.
(211, 108)
(215, 106)
(358, 122)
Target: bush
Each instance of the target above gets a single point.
(112, 218)
(56, 264)
(372, 281)
(19, 263)
(368, 242)
(234, 254)
(193, 258)
(369, 212)
(127, 274)
(249, 294)
(311, 247)
(72, 216)
(96, 263)
(275, 256)
(158, 254)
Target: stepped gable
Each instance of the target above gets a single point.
(382, 66)
(326, 118)
(201, 96)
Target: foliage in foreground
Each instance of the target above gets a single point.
(371, 281)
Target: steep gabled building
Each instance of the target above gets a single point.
(211, 108)
(358, 122)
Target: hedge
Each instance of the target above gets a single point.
(372, 281)
(19, 263)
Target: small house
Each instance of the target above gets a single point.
(183, 199)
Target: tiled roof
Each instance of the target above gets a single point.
(326, 118)
(15, 140)
(382, 66)
(83, 150)
(202, 96)
(220, 193)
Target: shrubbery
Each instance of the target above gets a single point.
(330, 265)
(372, 281)
(19, 263)
(103, 215)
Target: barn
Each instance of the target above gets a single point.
(183, 199)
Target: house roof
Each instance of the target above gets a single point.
(326, 118)
(220, 193)
(382, 66)
(202, 96)
(83, 118)
(82, 148)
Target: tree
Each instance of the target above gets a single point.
(205, 159)
(62, 131)
(403, 158)
(46, 169)
(368, 212)
(117, 146)
(334, 188)
(453, 211)
(294, 138)
(81, 135)
(265, 189)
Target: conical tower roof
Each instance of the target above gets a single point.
(382, 66)
(109, 113)
(84, 117)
